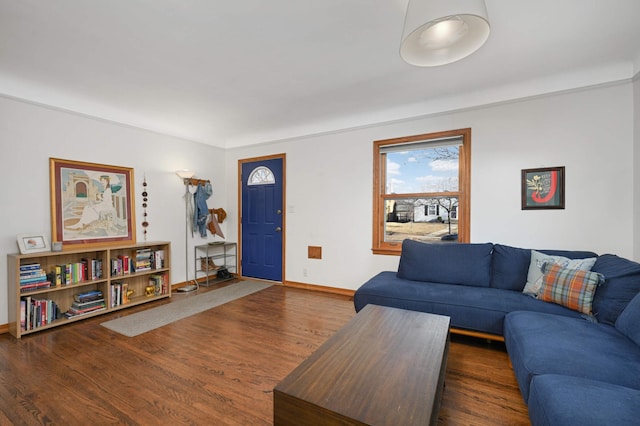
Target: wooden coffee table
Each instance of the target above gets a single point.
(386, 366)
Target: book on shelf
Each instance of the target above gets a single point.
(34, 278)
(36, 313)
(87, 296)
(29, 267)
(143, 259)
(73, 273)
(32, 273)
(85, 303)
(121, 265)
(119, 293)
(159, 283)
(158, 259)
(69, 314)
(34, 286)
(92, 268)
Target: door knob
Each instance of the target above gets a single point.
(278, 229)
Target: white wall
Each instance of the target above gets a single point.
(329, 179)
(31, 134)
(590, 132)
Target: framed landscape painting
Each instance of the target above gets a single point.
(543, 188)
(91, 204)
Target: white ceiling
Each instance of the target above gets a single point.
(238, 72)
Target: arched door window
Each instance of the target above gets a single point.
(261, 175)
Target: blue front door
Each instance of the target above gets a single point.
(262, 219)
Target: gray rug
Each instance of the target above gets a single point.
(141, 322)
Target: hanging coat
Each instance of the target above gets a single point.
(201, 211)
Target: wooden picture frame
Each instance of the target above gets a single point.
(32, 243)
(543, 188)
(91, 204)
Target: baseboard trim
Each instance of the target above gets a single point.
(4, 328)
(320, 288)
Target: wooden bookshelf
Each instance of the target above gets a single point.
(144, 276)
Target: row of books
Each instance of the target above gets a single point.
(159, 283)
(119, 293)
(33, 277)
(143, 259)
(140, 260)
(71, 273)
(35, 313)
(85, 303)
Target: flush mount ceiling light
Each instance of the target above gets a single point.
(439, 32)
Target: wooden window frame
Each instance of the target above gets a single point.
(379, 182)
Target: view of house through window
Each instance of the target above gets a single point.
(422, 189)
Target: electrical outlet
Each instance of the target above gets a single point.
(304, 272)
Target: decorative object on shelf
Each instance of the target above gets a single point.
(91, 204)
(543, 188)
(145, 195)
(441, 32)
(32, 243)
(149, 290)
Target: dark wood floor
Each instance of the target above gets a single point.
(217, 367)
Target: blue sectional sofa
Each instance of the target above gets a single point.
(576, 356)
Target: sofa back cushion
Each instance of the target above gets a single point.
(622, 283)
(510, 265)
(628, 322)
(447, 263)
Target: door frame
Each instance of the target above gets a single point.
(241, 161)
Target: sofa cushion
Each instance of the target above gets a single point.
(449, 263)
(510, 265)
(538, 259)
(540, 343)
(573, 288)
(565, 400)
(628, 323)
(472, 308)
(622, 283)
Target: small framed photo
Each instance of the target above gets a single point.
(32, 243)
(543, 188)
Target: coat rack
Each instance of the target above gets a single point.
(189, 181)
(196, 182)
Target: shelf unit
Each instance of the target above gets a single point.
(221, 254)
(139, 281)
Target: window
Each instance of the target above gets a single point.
(261, 175)
(421, 189)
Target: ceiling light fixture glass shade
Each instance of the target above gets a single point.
(439, 32)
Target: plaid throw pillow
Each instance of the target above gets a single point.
(572, 288)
